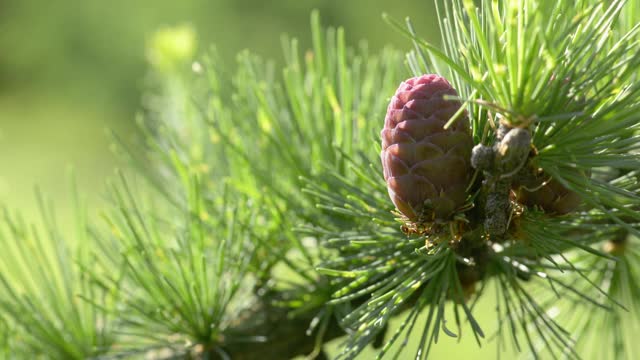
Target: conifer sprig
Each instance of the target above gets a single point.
(263, 217)
(505, 81)
(50, 301)
(568, 80)
(603, 334)
(184, 269)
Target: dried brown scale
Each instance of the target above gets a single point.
(534, 188)
(553, 198)
(426, 167)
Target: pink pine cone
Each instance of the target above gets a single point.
(426, 167)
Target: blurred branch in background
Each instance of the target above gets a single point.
(70, 69)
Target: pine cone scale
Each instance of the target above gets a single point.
(440, 171)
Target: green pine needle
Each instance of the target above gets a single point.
(49, 301)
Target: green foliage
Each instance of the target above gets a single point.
(51, 304)
(602, 334)
(183, 270)
(507, 58)
(263, 188)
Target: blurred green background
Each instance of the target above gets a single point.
(71, 69)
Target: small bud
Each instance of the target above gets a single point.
(512, 151)
(482, 157)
